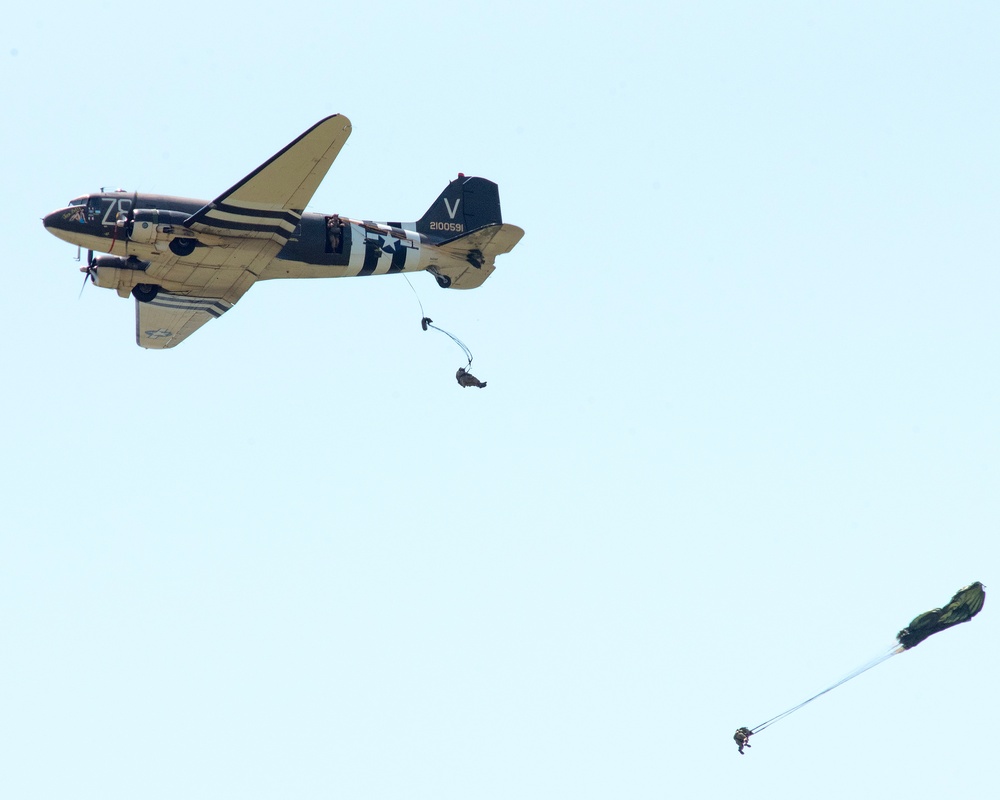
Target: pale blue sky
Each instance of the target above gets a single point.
(741, 424)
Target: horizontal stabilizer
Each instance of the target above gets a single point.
(470, 257)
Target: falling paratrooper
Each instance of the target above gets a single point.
(466, 378)
(964, 605)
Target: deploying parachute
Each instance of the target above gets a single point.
(463, 376)
(967, 602)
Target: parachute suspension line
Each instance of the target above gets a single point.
(455, 339)
(895, 649)
(426, 322)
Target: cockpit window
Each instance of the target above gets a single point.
(78, 201)
(96, 206)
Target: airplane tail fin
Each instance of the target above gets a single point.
(465, 205)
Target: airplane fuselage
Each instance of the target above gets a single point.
(321, 246)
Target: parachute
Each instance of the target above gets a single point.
(967, 602)
(463, 376)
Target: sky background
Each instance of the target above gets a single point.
(741, 423)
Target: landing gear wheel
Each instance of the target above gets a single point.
(443, 281)
(182, 247)
(144, 292)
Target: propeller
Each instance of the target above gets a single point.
(89, 271)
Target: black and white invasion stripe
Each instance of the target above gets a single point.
(226, 218)
(176, 302)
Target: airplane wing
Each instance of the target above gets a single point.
(268, 203)
(257, 216)
(168, 319)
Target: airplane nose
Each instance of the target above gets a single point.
(64, 222)
(57, 219)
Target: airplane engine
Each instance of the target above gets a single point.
(112, 272)
(151, 224)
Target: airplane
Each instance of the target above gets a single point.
(188, 261)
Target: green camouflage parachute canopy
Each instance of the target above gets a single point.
(966, 603)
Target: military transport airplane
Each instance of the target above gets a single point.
(187, 261)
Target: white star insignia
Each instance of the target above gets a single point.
(389, 245)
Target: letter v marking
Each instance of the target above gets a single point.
(452, 211)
